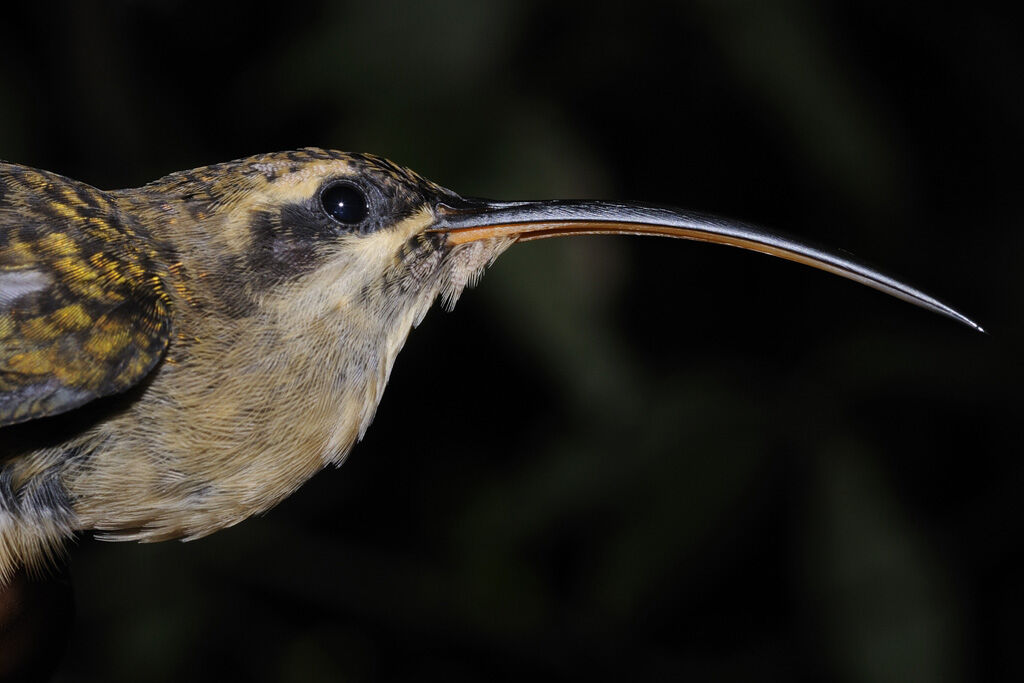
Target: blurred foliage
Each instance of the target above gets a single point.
(617, 459)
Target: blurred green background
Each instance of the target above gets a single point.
(618, 459)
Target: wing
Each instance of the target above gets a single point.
(83, 309)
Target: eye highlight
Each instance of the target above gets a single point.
(344, 203)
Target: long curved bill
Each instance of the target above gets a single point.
(473, 220)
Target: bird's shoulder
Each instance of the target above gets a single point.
(83, 307)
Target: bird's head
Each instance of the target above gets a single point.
(333, 233)
(325, 233)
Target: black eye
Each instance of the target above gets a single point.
(344, 203)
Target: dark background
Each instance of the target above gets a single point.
(618, 458)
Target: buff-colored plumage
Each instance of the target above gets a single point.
(178, 357)
(265, 380)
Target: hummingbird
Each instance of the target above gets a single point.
(177, 357)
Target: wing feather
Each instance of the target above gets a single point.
(83, 309)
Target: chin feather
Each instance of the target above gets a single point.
(466, 266)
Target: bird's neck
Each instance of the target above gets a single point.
(242, 412)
